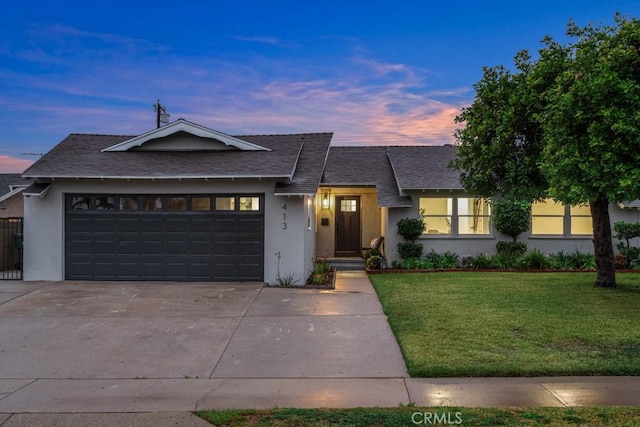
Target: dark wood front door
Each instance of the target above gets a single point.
(348, 226)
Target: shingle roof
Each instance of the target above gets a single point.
(315, 148)
(9, 179)
(367, 166)
(80, 155)
(424, 167)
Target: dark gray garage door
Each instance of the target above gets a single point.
(171, 237)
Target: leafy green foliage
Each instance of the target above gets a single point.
(511, 248)
(371, 253)
(565, 125)
(534, 260)
(409, 250)
(627, 231)
(512, 216)
(373, 262)
(433, 261)
(411, 228)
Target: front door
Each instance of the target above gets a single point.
(348, 226)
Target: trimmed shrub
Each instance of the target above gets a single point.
(512, 248)
(409, 250)
(512, 216)
(373, 262)
(411, 228)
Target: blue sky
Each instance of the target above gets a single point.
(372, 72)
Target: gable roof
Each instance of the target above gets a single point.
(364, 166)
(424, 167)
(184, 126)
(84, 156)
(12, 184)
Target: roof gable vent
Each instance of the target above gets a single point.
(182, 135)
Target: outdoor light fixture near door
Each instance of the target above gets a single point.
(326, 199)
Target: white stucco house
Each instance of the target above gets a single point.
(187, 203)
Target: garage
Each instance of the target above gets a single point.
(164, 237)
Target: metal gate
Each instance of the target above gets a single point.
(11, 248)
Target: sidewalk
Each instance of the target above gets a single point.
(169, 402)
(253, 383)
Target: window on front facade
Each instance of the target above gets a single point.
(581, 220)
(474, 216)
(436, 214)
(551, 218)
(547, 218)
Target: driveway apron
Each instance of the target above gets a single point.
(117, 346)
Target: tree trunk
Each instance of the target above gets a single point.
(602, 244)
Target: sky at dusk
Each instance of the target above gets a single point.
(372, 72)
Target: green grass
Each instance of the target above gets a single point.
(404, 416)
(513, 324)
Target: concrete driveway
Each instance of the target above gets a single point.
(72, 339)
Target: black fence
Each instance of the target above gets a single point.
(11, 248)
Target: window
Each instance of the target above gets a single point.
(547, 218)
(551, 218)
(249, 203)
(105, 203)
(474, 216)
(348, 205)
(436, 214)
(201, 203)
(80, 203)
(129, 203)
(581, 223)
(225, 203)
(177, 203)
(152, 203)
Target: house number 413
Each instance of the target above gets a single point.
(284, 216)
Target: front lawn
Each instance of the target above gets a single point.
(513, 324)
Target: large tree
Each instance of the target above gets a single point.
(580, 103)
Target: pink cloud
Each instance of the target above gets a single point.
(10, 164)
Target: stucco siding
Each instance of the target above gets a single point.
(473, 245)
(44, 221)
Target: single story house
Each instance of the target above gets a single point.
(188, 203)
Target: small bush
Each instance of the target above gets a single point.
(512, 216)
(449, 260)
(534, 260)
(511, 248)
(581, 260)
(409, 250)
(413, 263)
(620, 262)
(371, 253)
(411, 228)
(507, 260)
(373, 262)
(559, 261)
(482, 261)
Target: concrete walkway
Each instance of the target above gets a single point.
(274, 347)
